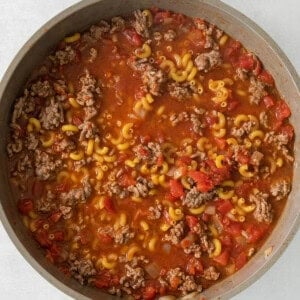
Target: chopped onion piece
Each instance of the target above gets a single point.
(153, 270)
(210, 210)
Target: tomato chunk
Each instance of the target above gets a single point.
(133, 37)
(176, 189)
(266, 77)
(192, 222)
(223, 258)
(241, 260)
(224, 206)
(25, 206)
(194, 266)
(149, 293)
(282, 111)
(256, 232)
(109, 205)
(204, 183)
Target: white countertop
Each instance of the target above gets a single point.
(20, 19)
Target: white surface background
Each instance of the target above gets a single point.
(21, 18)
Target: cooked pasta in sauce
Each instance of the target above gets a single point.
(150, 155)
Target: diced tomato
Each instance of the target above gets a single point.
(185, 243)
(25, 206)
(288, 130)
(149, 293)
(241, 260)
(183, 161)
(205, 217)
(232, 51)
(109, 205)
(37, 189)
(85, 236)
(268, 101)
(246, 61)
(257, 66)
(53, 253)
(218, 174)
(160, 160)
(223, 258)
(256, 232)
(244, 189)
(133, 37)
(226, 240)
(282, 111)
(232, 104)
(243, 156)
(194, 266)
(160, 16)
(221, 143)
(76, 120)
(234, 228)
(42, 237)
(58, 236)
(224, 206)
(175, 282)
(176, 189)
(105, 238)
(204, 183)
(105, 280)
(126, 180)
(192, 222)
(55, 217)
(266, 77)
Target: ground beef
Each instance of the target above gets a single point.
(88, 130)
(280, 189)
(89, 113)
(89, 90)
(197, 125)
(117, 24)
(179, 91)
(45, 165)
(206, 244)
(148, 153)
(46, 203)
(263, 211)
(187, 283)
(31, 142)
(66, 211)
(14, 146)
(24, 164)
(263, 119)
(256, 90)
(63, 146)
(177, 118)
(175, 234)
(141, 187)
(93, 55)
(77, 195)
(123, 234)
(242, 74)
(63, 57)
(82, 269)
(211, 273)
(256, 158)
(23, 106)
(52, 115)
(96, 31)
(245, 129)
(140, 24)
(278, 140)
(157, 37)
(41, 89)
(153, 78)
(194, 249)
(155, 212)
(194, 198)
(170, 35)
(207, 61)
(134, 277)
(114, 188)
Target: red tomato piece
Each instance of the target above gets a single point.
(221, 143)
(256, 232)
(288, 130)
(176, 189)
(232, 104)
(282, 111)
(224, 206)
(266, 77)
(234, 228)
(268, 101)
(246, 61)
(192, 222)
(194, 266)
(109, 205)
(55, 217)
(160, 160)
(25, 206)
(42, 237)
(241, 260)
(160, 16)
(62, 187)
(223, 258)
(149, 293)
(76, 120)
(232, 51)
(133, 37)
(204, 183)
(37, 189)
(126, 180)
(226, 240)
(105, 238)
(59, 236)
(53, 253)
